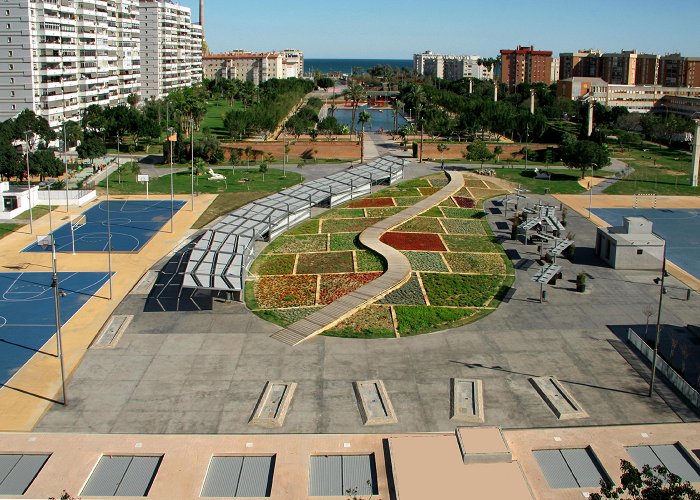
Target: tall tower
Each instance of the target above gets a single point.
(201, 14)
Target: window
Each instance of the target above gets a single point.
(246, 476)
(9, 53)
(12, 93)
(122, 476)
(640, 251)
(12, 79)
(11, 66)
(335, 475)
(570, 468)
(18, 471)
(671, 456)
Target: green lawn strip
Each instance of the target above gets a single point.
(409, 293)
(347, 225)
(470, 243)
(407, 201)
(224, 204)
(182, 182)
(421, 225)
(416, 183)
(463, 226)
(395, 192)
(368, 261)
(214, 117)
(439, 182)
(460, 290)
(563, 181)
(285, 317)
(298, 244)
(344, 213)
(39, 211)
(6, 228)
(432, 212)
(426, 261)
(414, 320)
(325, 262)
(463, 213)
(477, 263)
(307, 227)
(272, 264)
(383, 212)
(367, 323)
(345, 241)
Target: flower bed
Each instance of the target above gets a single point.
(439, 182)
(413, 241)
(426, 261)
(463, 226)
(368, 261)
(372, 202)
(298, 244)
(464, 202)
(327, 262)
(369, 322)
(344, 241)
(481, 194)
(466, 243)
(460, 290)
(478, 263)
(408, 201)
(448, 202)
(344, 213)
(400, 192)
(285, 317)
(474, 183)
(347, 225)
(274, 264)
(334, 286)
(276, 292)
(408, 294)
(421, 225)
(463, 213)
(432, 212)
(413, 320)
(428, 191)
(416, 183)
(307, 227)
(383, 212)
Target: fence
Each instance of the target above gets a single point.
(77, 197)
(672, 375)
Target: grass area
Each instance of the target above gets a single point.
(563, 181)
(39, 211)
(460, 290)
(368, 323)
(224, 204)
(214, 117)
(657, 169)
(244, 180)
(414, 320)
(325, 262)
(6, 228)
(274, 265)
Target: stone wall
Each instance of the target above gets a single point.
(343, 149)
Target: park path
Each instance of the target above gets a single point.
(397, 273)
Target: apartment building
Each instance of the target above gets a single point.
(584, 63)
(171, 48)
(450, 67)
(554, 72)
(525, 65)
(59, 56)
(254, 67)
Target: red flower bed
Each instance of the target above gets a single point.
(464, 202)
(414, 241)
(334, 286)
(373, 202)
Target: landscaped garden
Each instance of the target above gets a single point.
(459, 271)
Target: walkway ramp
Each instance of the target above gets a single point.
(398, 272)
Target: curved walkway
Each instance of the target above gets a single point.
(398, 272)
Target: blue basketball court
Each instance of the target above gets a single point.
(132, 223)
(27, 318)
(679, 227)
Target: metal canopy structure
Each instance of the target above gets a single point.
(222, 256)
(546, 273)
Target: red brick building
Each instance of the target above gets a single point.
(525, 65)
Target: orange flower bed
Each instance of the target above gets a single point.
(334, 286)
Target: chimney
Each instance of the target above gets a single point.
(201, 14)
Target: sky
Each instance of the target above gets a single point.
(396, 29)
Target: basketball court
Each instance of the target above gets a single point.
(27, 318)
(132, 223)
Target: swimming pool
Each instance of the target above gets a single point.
(383, 118)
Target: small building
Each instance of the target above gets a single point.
(15, 199)
(631, 246)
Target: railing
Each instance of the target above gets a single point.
(672, 375)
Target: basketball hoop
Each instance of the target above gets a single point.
(76, 223)
(44, 240)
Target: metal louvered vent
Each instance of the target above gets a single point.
(571, 468)
(340, 475)
(122, 476)
(237, 477)
(671, 456)
(18, 471)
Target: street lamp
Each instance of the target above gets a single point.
(65, 159)
(590, 190)
(192, 155)
(29, 184)
(662, 290)
(172, 201)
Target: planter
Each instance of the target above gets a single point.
(580, 287)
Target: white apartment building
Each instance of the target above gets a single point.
(171, 48)
(254, 67)
(450, 67)
(59, 56)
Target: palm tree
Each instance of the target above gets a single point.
(442, 147)
(356, 94)
(398, 105)
(364, 118)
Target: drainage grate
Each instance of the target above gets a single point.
(467, 404)
(273, 404)
(144, 286)
(112, 332)
(561, 402)
(373, 401)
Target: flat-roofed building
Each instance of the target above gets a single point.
(450, 67)
(582, 63)
(254, 67)
(526, 65)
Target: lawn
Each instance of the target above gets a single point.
(214, 117)
(563, 181)
(6, 228)
(657, 170)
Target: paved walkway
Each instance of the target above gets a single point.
(369, 147)
(398, 272)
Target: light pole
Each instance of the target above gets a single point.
(527, 138)
(57, 315)
(172, 201)
(109, 225)
(590, 191)
(65, 159)
(658, 322)
(192, 155)
(29, 184)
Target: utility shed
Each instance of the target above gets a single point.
(630, 246)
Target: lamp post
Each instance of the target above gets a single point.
(29, 184)
(590, 191)
(192, 157)
(57, 315)
(172, 201)
(65, 159)
(658, 322)
(109, 225)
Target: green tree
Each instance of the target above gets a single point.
(44, 163)
(37, 126)
(262, 170)
(355, 94)
(584, 155)
(365, 117)
(133, 100)
(92, 147)
(73, 133)
(498, 151)
(478, 151)
(397, 107)
(648, 484)
(325, 83)
(442, 147)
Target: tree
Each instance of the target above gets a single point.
(365, 117)
(91, 148)
(647, 484)
(398, 106)
(45, 164)
(37, 126)
(442, 147)
(356, 94)
(262, 170)
(584, 155)
(498, 151)
(133, 100)
(325, 83)
(478, 151)
(73, 133)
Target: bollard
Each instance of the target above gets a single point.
(544, 295)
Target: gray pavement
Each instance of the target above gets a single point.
(202, 371)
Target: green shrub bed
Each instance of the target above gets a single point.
(460, 290)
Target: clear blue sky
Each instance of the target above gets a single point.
(396, 29)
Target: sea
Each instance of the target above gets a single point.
(346, 65)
